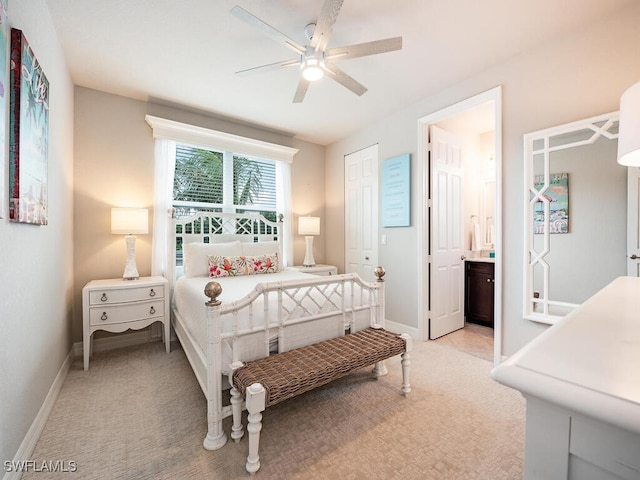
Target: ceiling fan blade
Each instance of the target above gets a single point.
(364, 49)
(269, 67)
(276, 35)
(301, 91)
(324, 24)
(345, 80)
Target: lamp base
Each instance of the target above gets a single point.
(308, 261)
(130, 269)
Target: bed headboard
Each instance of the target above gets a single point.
(218, 227)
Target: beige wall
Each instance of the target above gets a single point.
(114, 165)
(577, 76)
(36, 263)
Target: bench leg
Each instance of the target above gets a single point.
(255, 405)
(380, 369)
(237, 431)
(406, 386)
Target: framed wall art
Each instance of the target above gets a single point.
(4, 76)
(29, 135)
(557, 196)
(396, 191)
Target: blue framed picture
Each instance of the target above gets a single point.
(396, 191)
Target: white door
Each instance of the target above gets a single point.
(633, 228)
(447, 235)
(361, 212)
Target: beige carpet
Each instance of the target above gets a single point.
(473, 339)
(138, 413)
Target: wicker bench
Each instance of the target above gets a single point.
(276, 378)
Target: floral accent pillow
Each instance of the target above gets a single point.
(221, 266)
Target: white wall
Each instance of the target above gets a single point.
(577, 76)
(36, 274)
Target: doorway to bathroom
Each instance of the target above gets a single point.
(460, 221)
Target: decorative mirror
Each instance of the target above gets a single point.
(575, 215)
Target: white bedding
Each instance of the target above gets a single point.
(189, 297)
(189, 302)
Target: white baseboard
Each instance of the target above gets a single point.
(401, 328)
(33, 435)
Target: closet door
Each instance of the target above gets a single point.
(361, 212)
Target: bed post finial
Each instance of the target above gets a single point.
(379, 271)
(213, 291)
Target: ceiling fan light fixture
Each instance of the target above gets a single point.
(311, 69)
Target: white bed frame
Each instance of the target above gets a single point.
(314, 299)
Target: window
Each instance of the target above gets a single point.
(213, 180)
(169, 135)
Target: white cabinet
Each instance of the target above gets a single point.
(321, 270)
(116, 305)
(563, 444)
(580, 380)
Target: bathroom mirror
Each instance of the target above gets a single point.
(575, 215)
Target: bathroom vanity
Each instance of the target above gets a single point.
(580, 379)
(479, 290)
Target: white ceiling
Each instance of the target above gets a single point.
(186, 52)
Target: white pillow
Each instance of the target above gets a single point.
(263, 248)
(196, 256)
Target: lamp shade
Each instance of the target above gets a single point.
(629, 133)
(129, 221)
(309, 226)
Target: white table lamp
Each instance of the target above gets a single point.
(309, 226)
(130, 221)
(629, 133)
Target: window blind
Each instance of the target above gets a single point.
(202, 182)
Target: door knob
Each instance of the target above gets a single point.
(633, 256)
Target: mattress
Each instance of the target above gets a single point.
(189, 303)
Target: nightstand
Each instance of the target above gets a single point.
(321, 270)
(116, 305)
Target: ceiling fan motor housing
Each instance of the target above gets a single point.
(312, 64)
(308, 30)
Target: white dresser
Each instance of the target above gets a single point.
(116, 305)
(581, 380)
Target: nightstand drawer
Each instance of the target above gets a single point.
(126, 313)
(320, 270)
(111, 296)
(322, 273)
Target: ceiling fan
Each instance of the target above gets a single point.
(314, 59)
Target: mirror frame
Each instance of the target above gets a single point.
(538, 309)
